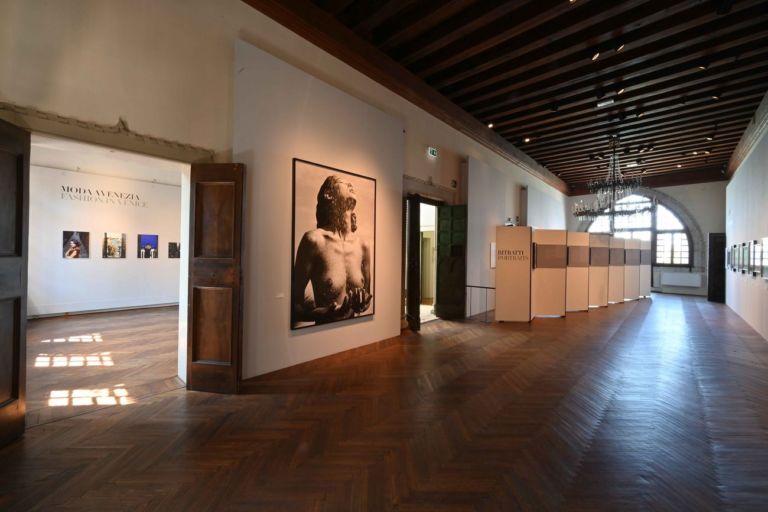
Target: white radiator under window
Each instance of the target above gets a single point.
(686, 279)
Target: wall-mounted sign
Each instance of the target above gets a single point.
(96, 195)
(432, 152)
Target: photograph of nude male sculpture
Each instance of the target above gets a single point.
(333, 245)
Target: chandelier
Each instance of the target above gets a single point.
(609, 191)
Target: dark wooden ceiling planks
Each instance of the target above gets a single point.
(681, 76)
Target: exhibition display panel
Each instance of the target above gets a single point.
(513, 273)
(632, 270)
(616, 271)
(577, 272)
(550, 253)
(599, 247)
(645, 268)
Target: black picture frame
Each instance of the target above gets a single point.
(756, 258)
(305, 195)
(744, 257)
(76, 245)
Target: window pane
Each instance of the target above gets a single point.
(665, 219)
(642, 235)
(600, 225)
(640, 220)
(680, 249)
(664, 248)
(623, 234)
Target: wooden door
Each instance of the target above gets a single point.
(451, 281)
(14, 227)
(413, 262)
(716, 268)
(214, 341)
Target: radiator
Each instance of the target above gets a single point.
(686, 279)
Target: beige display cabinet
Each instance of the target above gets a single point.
(599, 248)
(616, 271)
(550, 253)
(577, 272)
(513, 273)
(645, 268)
(631, 269)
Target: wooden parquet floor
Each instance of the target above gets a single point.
(652, 405)
(82, 363)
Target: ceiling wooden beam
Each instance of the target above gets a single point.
(320, 28)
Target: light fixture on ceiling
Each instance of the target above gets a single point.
(605, 103)
(620, 91)
(526, 140)
(716, 95)
(619, 47)
(644, 171)
(704, 66)
(679, 166)
(640, 114)
(490, 125)
(710, 137)
(707, 151)
(609, 190)
(631, 164)
(595, 55)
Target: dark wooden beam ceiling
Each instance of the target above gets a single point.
(682, 76)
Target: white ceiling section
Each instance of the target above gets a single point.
(76, 156)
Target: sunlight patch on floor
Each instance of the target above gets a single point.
(82, 338)
(116, 395)
(44, 360)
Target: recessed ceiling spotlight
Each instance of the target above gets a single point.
(704, 66)
(604, 103)
(490, 125)
(643, 149)
(644, 171)
(527, 140)
(716, 95)
(632, 164)
(695, 152)
(707, 151)
(620, 91)
(651, 147)
(710, 137)
(595, 55)
(619, 47)
(679, 165)
(640, 114)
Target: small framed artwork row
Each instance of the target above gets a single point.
(77, 245)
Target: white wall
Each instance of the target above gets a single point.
(167, 69)
(745, 220)
(284, 113)
(57, 285)
(494, 196)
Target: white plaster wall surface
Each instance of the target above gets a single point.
(493, 196)
(746, 199)
(58, 285)
(284, 113)
(167, 69)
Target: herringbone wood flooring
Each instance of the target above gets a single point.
(651, 405)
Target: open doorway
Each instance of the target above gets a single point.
(428, 234)
(108, 236)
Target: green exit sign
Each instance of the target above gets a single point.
(432, 152)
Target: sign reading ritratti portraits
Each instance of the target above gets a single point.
(102, 196)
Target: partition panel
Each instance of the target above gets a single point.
(549, 272)
(599, 247)
(513, 274)
(616, 271)
(577, 273)
(632, 270)
(645, 268)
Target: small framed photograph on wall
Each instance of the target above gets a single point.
(727, 258)
(764, 268)
(174, 250)
(736, 258)
(756, 260)
(76, 245)
(744, 257)
(147, 246)
(113, 245)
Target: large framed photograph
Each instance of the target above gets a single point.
(113, 245)
(333, 245)
(76, 245)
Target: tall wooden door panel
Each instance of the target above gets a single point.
(214, 356)
(451, 283)
(413, 262)
(14, 215)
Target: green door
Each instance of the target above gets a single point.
(450, 300)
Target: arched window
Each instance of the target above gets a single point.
(671, 243)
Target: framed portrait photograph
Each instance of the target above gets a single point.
(76, 245)
(756, 258)
(113, 245)
(736, 249)
(147, 246)
(333, 245)
(174, 250)
(727, 258)
(744, 258)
